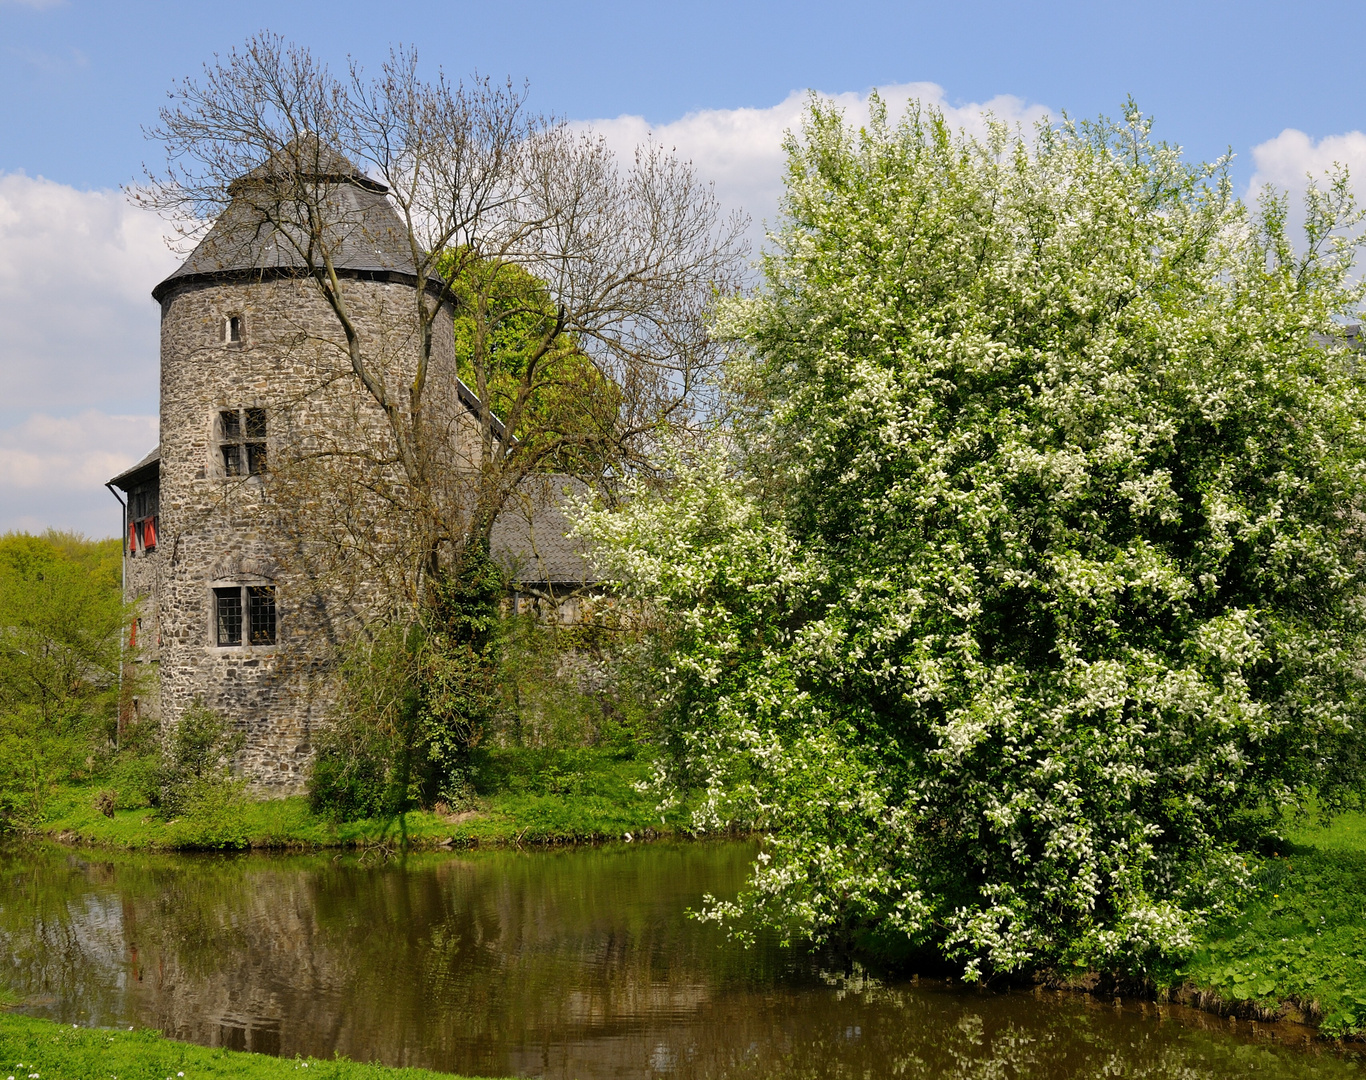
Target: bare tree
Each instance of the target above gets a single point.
(580, 287)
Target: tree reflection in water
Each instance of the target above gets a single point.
(577, 963)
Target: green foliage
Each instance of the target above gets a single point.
(46, 1048)
(195, 779)
(349, 778)
(1036, 575)
(571, 685)
(415, 697)
(134, 772)
(62, 613)
(521, 795)
(556, 771)
(510, 348)
(488, 683)
(459, 665)
(61, 622)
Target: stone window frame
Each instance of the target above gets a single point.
(243, 439)
(242, 584)
(241, 320)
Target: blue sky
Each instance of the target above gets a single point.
(1280, 84)
(79, 78)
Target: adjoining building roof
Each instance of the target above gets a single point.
(365, 236)
(529, 538)
(149, 468)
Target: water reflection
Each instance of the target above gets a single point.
(557, 964)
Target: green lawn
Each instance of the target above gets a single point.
(526, 796)
(1300, 945)
(62, 1052)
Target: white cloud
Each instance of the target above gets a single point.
(740, 150)
(1287, 160)
(76, 273)
(53, 469)
(79, 349)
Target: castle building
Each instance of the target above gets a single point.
(230, 613)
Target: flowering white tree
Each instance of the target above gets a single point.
(1030, 587)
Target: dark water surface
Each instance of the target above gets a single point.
(563, 964)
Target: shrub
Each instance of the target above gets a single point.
(349, 780)
(106, 802)
(196, 763)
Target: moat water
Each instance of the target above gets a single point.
(564, 963)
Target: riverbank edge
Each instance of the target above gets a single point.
(422, 831)
(47, 1047)
(289, 824)
(535, 799)
(1290, 1018)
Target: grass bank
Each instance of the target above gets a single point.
(42, 1048)
(522, 796)
(1298, 949)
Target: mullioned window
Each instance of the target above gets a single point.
(242, 441)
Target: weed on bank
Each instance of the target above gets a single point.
(522, 796)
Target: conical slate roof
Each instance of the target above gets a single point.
(310, 160)
(364, 235)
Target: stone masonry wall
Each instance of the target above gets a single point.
(142, 586)
(219, 530)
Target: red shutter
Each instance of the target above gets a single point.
(132, 538)
(149, 534)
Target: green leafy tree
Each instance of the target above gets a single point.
(513, 350)
(195, 776)
(61, 622)
(1030, 586)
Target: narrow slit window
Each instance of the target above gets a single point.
(234, 328)
(228, 616)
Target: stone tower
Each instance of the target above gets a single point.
(251, 351)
